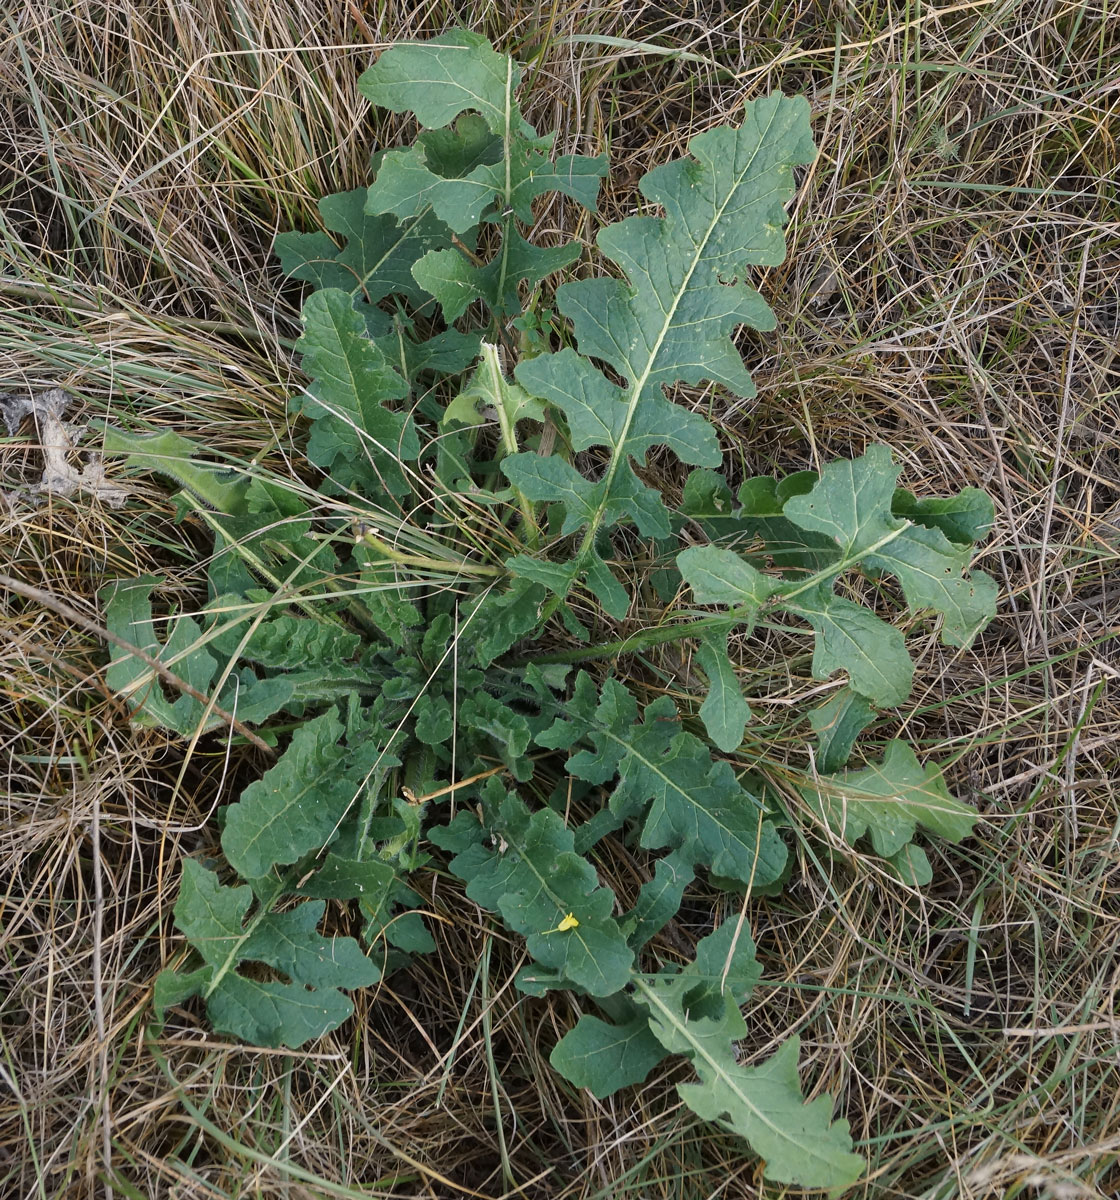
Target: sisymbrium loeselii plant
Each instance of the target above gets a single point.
(430, 635)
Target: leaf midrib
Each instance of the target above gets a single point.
(651, 997)
(638, 385)
(630, 750)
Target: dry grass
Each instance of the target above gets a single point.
(952, 288)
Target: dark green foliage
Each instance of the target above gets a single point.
(401, 620)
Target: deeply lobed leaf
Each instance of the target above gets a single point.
(215, 919)
(352, 382)
(668, 778)
(668, 321)
(534, 878)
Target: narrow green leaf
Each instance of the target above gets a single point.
(724, 712)
(168, 454)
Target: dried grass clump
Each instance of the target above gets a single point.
(951, 288)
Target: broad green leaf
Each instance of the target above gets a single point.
(498, 620)
(193, 655)
(669, 775)
(337, 878)
(506, 731)
(888, 801)
(405, 186)
(798, 1141)
(912, 866)
(216, 921)
(853, 639)
(534, 878)
(784, 545)
(296, 806)
(722, 577)
(851, 503)
(453, 153)
(377, 258)
(603, 1057)
(837, 723)
(448, 353)
(695, 1012)
(436, 177)
(725, 968)
(354, 437)
(707, 500)
(462, 178)
(455, 282)
(451, 279)
(440, 79)
(271, 540)
(432, 720)
(964, 518)
(281, 641)
(671, 318)
(725, 964)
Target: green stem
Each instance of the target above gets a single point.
(452, 566)
(642, 640)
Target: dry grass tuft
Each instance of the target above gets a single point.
(952, 288)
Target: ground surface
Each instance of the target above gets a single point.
(952, 289)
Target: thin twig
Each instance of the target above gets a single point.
(166, 674)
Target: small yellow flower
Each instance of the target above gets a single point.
(569, 922)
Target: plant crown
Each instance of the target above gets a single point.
(421, 631)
